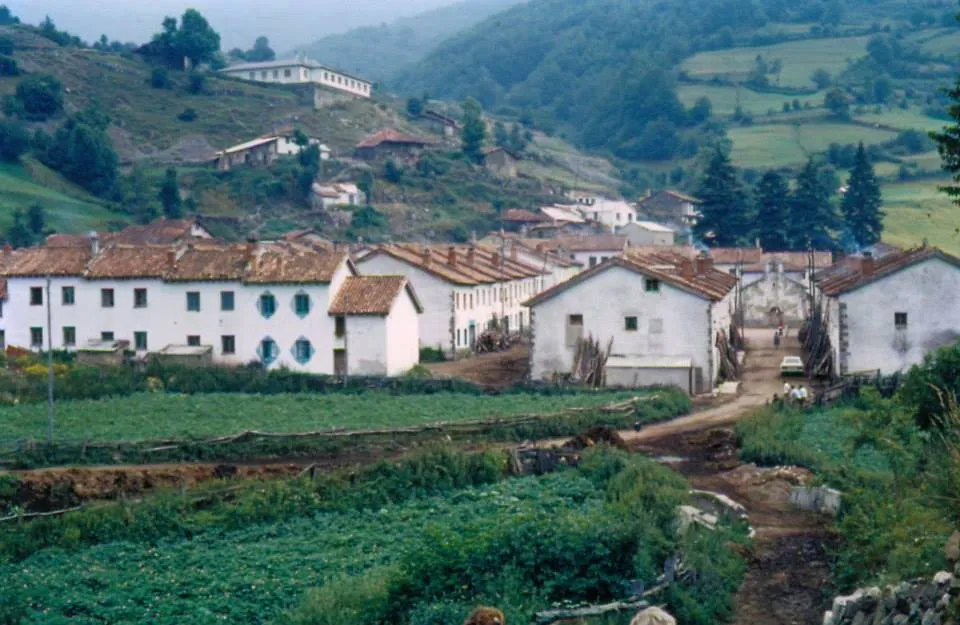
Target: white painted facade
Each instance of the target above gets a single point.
(865, 326)
(455, 314)
(555, 272)
(592, 258)
(300, 71)
(647, 233)
(774, 290)
(671, 323)
(612, 214)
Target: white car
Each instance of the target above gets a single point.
(791, 365)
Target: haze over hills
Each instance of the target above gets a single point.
(380, 52)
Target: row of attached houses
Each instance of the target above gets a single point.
(663, 313)
(885, 313)
(465, 289)
(282, 304)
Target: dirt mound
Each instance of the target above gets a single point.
(594, 436)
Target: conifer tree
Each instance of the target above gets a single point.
(170, 195)
(861, 204)
(725, 220)
(773, 211)
(813, 219)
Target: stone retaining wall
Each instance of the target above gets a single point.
(920, 602)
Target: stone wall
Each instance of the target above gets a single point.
(922, 602)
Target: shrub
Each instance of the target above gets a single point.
(160, 78)
(6, 46)
(432, 354)
(923, 384)
(197, 83)
(41, 96)
(14, 140)
(8, 66)
(188, 115)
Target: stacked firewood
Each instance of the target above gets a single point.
(494, 341)
(816, 348)
(729, 366)
(590, 362)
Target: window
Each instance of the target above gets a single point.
(630, 324)
(106, 336)
(574, 329)
(36, 337)
(193, 340)
(593, 261)
(69, 336)
(301, 304)
(276, 73)
(651, 285)
(36, 296)
(340, 326)
(302, 351)
(140, 341)
(900, 321)
(193, 301)
(458, 338)
(618, 217)
(226, 300)
(140, 298)
(263, 75)
(106, 298)
(286, 73)
(267, 304)
(228, 344)
(3, 339)
(253, 75)
(267, 351)
(67, 296)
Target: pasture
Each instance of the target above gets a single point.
(765, 146)
(725, 98)
(917, 210)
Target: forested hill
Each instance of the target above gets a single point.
(603, 70)
(380, 52)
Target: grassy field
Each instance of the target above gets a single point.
(153, 416)
(916, 210)
(910, 119)
(944, 41)
(725, 98)
(68, 208)
(800, 59)
(764, 146)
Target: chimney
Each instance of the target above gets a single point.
(425, 254)
(540, 247)
(471, 256)
(94, 243)
(496, 258)
(704, 264)
(867, 264)
(513, 252)
(452, 256)
(686, 268)
(171, 258)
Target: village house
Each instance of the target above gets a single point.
(267, 302)
(591, 250)
(643, 233)
(884, 314)
(262, 152)
(610, 214)
(501, 162)
(464, 289)
(556, 265)
(675, 209)
(389, 143)
(665, 317)
(442, 124)
(301, 71)
(327, 196)
(518, 219)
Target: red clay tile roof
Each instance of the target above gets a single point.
(521, 216)
(42, 261)
(709, 284)
(593, 243)
(851, 277)
(160, 232)
(287, 263)
(485, 265)
(211, 262)
(3, 289)
(389, 135)
(734, 255)
(792, 261)
(371, 295)
(121, 262)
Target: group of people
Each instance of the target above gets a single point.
(797, 395)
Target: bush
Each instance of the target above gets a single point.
(41, 96)
(923, 384)
(160, 78)
(14, 140)
(8, 66)
(197, 83)
(188, 115)
(6, 46)
(432, 354)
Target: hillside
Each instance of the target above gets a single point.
(380, 52)
(652, 83)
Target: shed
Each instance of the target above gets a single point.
(642, 371)
(103, 353)
(185, 355)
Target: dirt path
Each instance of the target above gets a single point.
(495, 370)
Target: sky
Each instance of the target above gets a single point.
(287, 23)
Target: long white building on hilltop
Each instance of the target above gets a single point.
(301, 71)
(280, 304)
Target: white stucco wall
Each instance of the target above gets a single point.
(641, 237)
(298, 73)
(605, 300)
(367, 345)
(403, 336)
(929, 293)
(598, 257)
(774, 290)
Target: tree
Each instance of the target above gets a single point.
(14, 140)
(414, 107)
(518, 140)
(260, 52)
(6, 45)
(948, 144)
(89, 158)
(301, 139)
(474, 130)
(883, 50)
(170, 195)
(391, 172)
(159, 78)
(701, 110)
(36, 219)
(18, 234)
(821, 78)
(659, 141)
(836, 102)
(773, 211)
(40, 96)
(367, 185)
(862, 201)
(500, 135)
(812, 216)
(724, 218)
(6, 17)
(882, 89)
(138, 197)
(196, 40)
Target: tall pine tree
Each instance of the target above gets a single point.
(725, 220)
(813, 219)
(861, 204)
(772, 198)
(170, 195)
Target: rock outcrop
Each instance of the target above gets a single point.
(921, 602)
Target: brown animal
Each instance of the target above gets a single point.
(486, 616)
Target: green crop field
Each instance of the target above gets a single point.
(764, 146)
(800, 59)
(910, 119)
(945, 41)
(917, 210)
(159, 415)
(724, 99)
